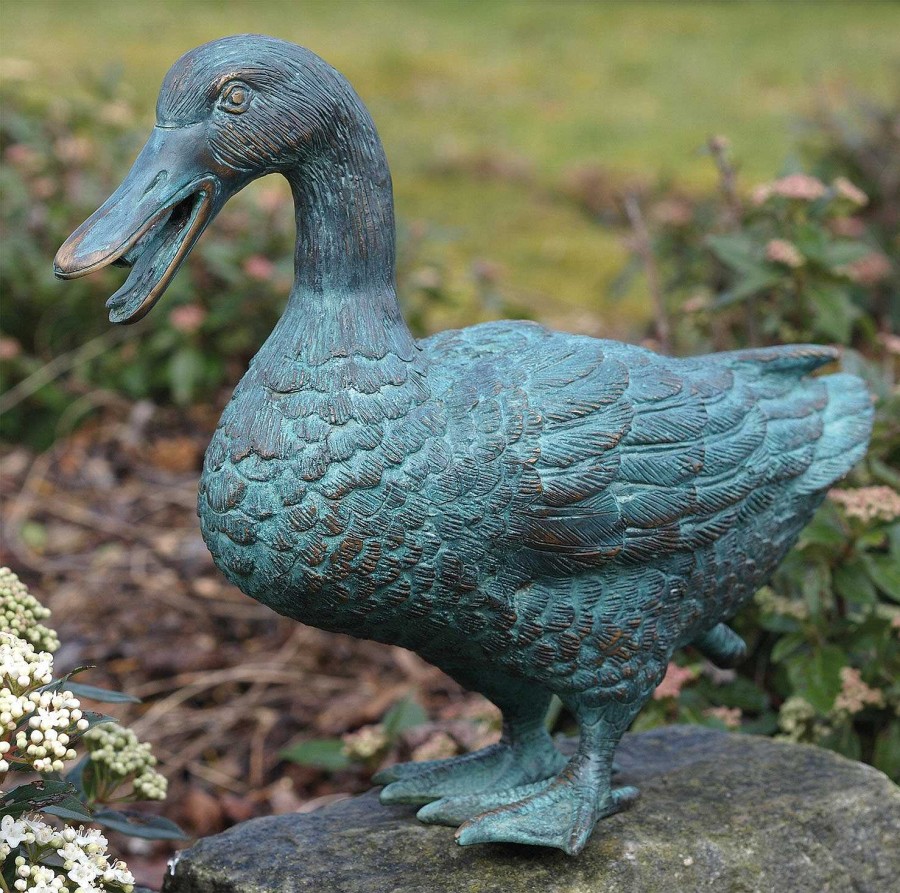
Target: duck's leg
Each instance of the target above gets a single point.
(722, 645)
(524, 754)
(560, 812)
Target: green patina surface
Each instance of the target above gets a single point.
(723, 813)
(534, 513)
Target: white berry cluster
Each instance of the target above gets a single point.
(21, 613)
(50, 718)
(118, 750)
(49, 860)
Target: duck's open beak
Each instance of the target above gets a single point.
(150, 223)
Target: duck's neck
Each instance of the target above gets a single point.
(343, 301)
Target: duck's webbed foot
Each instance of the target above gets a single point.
(521, 757)
(559, 812)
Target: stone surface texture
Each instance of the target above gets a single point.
(720, 812)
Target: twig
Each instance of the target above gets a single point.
(734, 213)
(734, 209)
(644, 247)
(56, 367)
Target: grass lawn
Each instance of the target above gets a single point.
(633, 86)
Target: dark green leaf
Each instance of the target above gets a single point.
(36, 796)
(92, 693)
(70, 808)
(322, 753)
(748, 286)
(887, 750)
(135, 824)
(851, 582)
(884, 572)
(817, 677)
(786, 645)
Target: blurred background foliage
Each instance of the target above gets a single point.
(552, 161)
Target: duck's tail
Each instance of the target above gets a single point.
(847, 426)
(846, 416)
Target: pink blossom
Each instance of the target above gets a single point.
(802, 187)
(258, 267)
(845, 189)
(869, 270)
(729, 716)
(780, 251)
(675, 679)
(848, 227)
(761, 194)
(187, 318)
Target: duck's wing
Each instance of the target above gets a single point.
(623, 455)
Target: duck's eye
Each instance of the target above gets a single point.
(235, 98)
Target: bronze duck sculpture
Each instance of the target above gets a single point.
(531, 511)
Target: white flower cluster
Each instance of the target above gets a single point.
(85, 865)
(52, 716)
(119, 750)
(21, 613)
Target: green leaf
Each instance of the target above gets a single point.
(786, 646)
(321, 753)
(887, 750)
(750, 284)
(851, 582)
(737, 251)
(835, 312)
(403, 715)
(71, 808)
(884, 572)
(135, 824)
(846, 742)
(840, 254)
(825, 529)
(185, 371)
(817, 677)
(36, 797)
(93, 693)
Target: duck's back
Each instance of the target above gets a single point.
(516, 490)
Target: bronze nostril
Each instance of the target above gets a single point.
(159, 179)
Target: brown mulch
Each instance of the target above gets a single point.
(103, 528)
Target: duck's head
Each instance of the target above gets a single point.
(228, 112)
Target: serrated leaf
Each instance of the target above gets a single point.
(135, 824)
(321, 753)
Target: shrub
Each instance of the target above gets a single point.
(42, 724)
(802, 259)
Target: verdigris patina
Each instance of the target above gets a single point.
(533, 512)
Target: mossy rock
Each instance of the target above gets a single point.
(719, 812)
